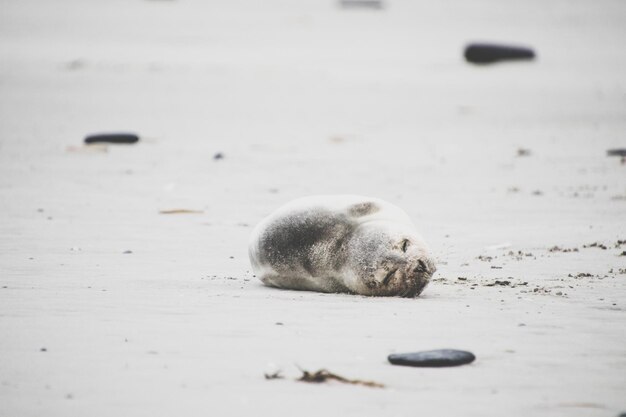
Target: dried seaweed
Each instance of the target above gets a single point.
(560, 249)
(595, 245)
(323, 376)
(503, 283)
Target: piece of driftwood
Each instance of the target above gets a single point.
(181, 211)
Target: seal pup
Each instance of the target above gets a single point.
(341, 243)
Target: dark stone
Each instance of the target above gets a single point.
(116, 138)
(432, 358)
(361, 4)
(218, 156)
(616, 152)
(483, 53)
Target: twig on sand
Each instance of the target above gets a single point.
(323, 376)
(180, 211)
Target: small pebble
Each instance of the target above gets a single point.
(432, 358)
(117, 138)
(483, 53)
(363, 4)
(218, 155)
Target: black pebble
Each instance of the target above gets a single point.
(128, 138)
(432, 358)
(366, 4)
(483, 53)
(218, 155)
(616, 152)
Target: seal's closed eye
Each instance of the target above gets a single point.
(405, 244)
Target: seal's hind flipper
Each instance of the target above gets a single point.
(363, 209)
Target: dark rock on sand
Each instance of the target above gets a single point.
(116, 138)
(484, 53)
(616, 152)
(362, 4)
(432, 358)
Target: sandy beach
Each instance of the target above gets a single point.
(110, 306)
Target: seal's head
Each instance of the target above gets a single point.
(385, 260)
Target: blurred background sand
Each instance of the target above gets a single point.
(308, 98)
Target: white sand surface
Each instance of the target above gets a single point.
(306, 98)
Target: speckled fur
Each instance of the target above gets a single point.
(341, 243)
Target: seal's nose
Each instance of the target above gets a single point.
(425, 267)
(421, 266)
